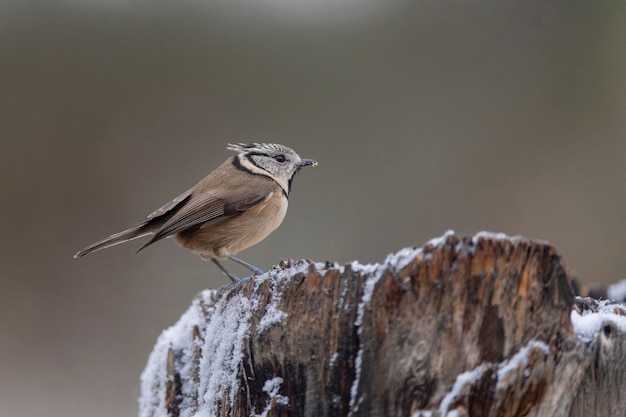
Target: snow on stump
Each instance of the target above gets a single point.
(482, 326)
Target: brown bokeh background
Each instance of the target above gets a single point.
(424, 115)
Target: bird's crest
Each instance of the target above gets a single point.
(256, 147)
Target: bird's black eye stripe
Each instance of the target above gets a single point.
(281, 158)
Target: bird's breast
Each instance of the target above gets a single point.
(240, 232)
(262, 220)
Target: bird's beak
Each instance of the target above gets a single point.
(307, 162)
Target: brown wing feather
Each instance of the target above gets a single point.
(167, 207)
(198, 210)
(204, 208)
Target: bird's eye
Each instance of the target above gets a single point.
(280, 158)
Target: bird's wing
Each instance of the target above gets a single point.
(167, 207)
(212, 207)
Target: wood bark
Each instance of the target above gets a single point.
(461, 327)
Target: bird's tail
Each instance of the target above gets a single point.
(131, 233)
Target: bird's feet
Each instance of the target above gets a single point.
(252, 268)
(232, 277)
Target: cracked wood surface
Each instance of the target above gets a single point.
(479, 326)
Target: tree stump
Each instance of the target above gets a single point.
(482, 326)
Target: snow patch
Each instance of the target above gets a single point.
(278, 274)
(271, 387)
(223, 322)
(179, 338)
(375, 273)
(342, 295)
(587, 325)
(302, 266)
(223, 348)
(520, 358)
(438, 241)
(469, 377)
(495, 236)
(364, 269)
(397, 261)
(617, 291)
(366, 298)
(354, 389)
(504, 368)
(272, 314)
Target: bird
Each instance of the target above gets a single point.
(234, 207)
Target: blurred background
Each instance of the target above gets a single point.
(506, 116)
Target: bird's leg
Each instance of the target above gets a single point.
(232, 277)
(254, 269)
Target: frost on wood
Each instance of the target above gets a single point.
(460, 327)
(590, 318)
(195, 364)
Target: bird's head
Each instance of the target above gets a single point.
(273, 160)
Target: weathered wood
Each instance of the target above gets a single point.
(603, 389)
(473, 327)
